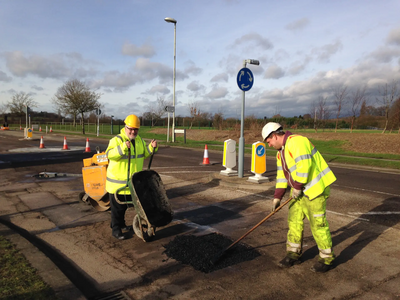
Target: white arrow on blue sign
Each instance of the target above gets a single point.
(245, 79)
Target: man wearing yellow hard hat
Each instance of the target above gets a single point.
(118, 150)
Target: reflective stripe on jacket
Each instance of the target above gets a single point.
(301, 166)
(117, 154)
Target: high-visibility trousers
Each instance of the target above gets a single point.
(315, 211)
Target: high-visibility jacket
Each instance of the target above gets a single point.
(301, 166)
(117, 154)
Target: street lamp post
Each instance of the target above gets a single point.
(112, 131)
(171, 20)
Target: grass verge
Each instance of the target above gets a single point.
(331, 150)
(18, 279)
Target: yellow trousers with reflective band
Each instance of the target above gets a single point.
(315, 211)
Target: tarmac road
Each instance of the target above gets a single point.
(81, 259)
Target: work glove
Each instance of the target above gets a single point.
(296, 193)
(275, 204)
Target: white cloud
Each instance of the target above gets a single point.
(146, 50)
(220, 77)
(298, 24)
(255, 39)
(298, 67)
(194, 86)
(62, 65)
(192, 69)
(274, 72)
(217, 92)
(4, 77)
(37, 88)
(158, 89)
(119, 81)
(394, 37)
(324, 53)
(385, 54)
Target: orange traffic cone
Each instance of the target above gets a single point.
(20, 127)
(40, 128)
(41, 143)
(206, 161)
(87, 149)
(65, 147)
(51, 130)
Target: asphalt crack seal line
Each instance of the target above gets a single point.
(198, 251)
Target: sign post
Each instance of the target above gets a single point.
(245, 81)
(169, 109)
(98, 112)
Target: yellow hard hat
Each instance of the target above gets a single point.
(132, 121)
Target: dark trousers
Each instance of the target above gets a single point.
(118, 211)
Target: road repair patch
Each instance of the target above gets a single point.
(200, 252)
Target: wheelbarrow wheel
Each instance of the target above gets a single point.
(142, 229)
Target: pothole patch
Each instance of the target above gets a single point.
(200, 251)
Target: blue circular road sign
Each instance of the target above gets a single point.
(245, 79)
(260, 150)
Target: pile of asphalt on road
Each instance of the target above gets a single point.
(199, 251)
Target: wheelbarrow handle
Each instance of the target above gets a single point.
(151, 158)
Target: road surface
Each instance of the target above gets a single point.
(87, 262)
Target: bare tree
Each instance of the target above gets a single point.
(356, 99)
(218, 120)
(320, 111)
(157, 110)
(340, 94)
(3, 108)
(194, 111)
(75, 97)
(19, 102)
(395, 114)
(388, 94)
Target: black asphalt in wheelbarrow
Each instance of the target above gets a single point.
(150, 201)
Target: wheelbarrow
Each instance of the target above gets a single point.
(150, 201)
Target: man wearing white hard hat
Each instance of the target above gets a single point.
(302, 167)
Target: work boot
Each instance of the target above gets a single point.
(288, 261)
(118, 234)
(320, 267)
(127, 228)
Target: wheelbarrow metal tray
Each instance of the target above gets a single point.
(150, 201)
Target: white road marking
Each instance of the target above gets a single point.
(257, 195)
(49, 149)
(181, 172)
(376, 213)
(365, 190)
(349, 216)
(179, 167)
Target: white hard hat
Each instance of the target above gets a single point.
(269, 128)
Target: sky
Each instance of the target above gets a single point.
(125, 51)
